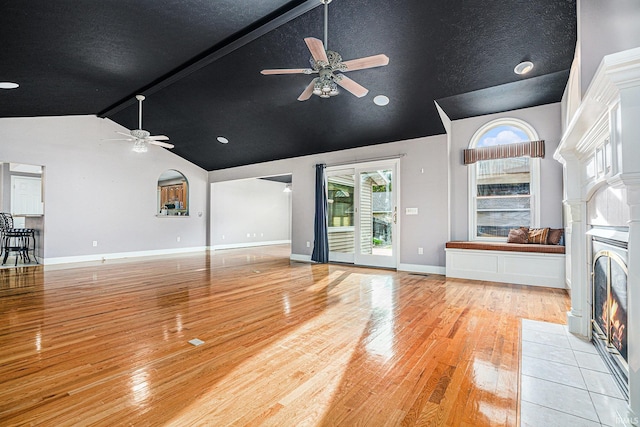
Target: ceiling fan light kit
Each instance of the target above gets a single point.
(142, 138)
(139, 146)
(326, 64)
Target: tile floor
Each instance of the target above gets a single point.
(564, 382)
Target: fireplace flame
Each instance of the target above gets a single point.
(616, 327)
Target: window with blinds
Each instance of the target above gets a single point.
(503, 160)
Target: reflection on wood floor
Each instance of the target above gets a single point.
(285, 343)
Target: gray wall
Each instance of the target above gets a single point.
(249, 211)
(605, 27)
(546, 121)
(101, 190)
(423, 174)
(5, 187)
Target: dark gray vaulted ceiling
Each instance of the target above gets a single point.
(199, 61)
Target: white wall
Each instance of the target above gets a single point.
(423, 174)
(101, 190)
(546, 121)
(249, 212)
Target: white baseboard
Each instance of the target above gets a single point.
(413, 268)
(118, 255)
(419, 268)
(300, 258)
(250, 244)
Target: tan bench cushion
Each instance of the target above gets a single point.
(509, 247)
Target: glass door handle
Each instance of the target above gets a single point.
(395, 215)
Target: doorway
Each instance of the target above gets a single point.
(362, 214)
(251, 212)
(22, 196)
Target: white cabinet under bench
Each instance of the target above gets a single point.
(524, 264)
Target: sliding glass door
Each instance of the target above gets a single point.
(363, 214)
(377, 217)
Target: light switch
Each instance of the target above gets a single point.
(411, 211)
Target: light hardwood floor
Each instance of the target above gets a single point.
(285, 344)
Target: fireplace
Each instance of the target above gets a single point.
(610, 302)
(599, 151)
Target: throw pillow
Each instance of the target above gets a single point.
(538, 235)
(517, 235)
(555, 234)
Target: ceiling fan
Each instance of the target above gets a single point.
(140, 137)
(326, 63)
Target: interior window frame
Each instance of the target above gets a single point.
(534, 186)
(182, 212)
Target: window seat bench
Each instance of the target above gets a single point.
(524, 264)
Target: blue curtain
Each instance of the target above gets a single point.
(320, 227)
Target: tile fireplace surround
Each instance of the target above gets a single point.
(600, 152)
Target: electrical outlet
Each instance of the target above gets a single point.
(248, 234)
(95, 243)
(223, 237)
(308, 244)
(420, 251)
(178, 239)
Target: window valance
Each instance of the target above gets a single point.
(519, 149)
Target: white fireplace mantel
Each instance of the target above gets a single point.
(619, 71)
(601, 147)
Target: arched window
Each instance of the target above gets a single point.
(503, 192)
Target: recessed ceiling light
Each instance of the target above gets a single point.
(381, 100)
(223, 140)
(523, 67)
(8, 85)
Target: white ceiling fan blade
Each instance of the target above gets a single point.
(368, 62)
(306, 94)
(351, 86)
(161, 144)
(158, 137)
(287, 71)
(317, 49)
(120, 139)
(125, 134)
